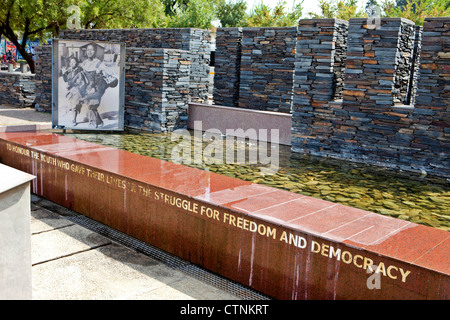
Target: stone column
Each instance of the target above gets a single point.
(200, 55)
(415, 63)
(227, 66)
(378, 63)
(267, 68)
(433, 87)
(431, 113)
(318, 79)
(43, 78)
(156, 89)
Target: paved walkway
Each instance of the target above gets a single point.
(72, 261)
(23, 119)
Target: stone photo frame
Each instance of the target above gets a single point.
(88, 85)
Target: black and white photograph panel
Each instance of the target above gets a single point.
(89, 93)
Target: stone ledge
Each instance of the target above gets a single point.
(285, 245)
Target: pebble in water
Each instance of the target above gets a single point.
(369, 188)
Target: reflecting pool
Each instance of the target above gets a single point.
(418, 199)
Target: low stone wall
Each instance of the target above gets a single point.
(245, 123)
(17, 88)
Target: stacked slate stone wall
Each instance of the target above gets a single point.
(376, 65)
(372, 93)
(200, 56)
(267, 68)
(430, 129)
(376, 69)
(405, 64)
(186, 50)
(318, 77)
(157, 88)
(196, 41)
(395, 90)
(340, 33)
(415, 64)
(254, 67)
(372, 124)
(17, 89)
(227, 66)
(43, 78)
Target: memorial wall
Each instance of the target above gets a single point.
(366, 91)
(349, 88)
(157, 61)
(196, 41)
(285, 245)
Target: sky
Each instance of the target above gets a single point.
(308, 5)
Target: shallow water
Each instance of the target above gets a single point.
(417, 199)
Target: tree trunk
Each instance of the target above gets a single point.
(9, 34)
(27, 56)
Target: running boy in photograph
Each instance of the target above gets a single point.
(94, 91)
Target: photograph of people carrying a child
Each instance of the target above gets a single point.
(88, 85)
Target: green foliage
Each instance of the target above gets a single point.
(264, 16)
(196, 14)
(232, 14)
(24, 19)
(170, 6)
(416, 10)
(42, 17)
(370, 3)
(339, 9)
(38, 17)
(106, 14)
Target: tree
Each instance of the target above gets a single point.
(32, 19)
(339, 9)
(196, 14)
(44, 18)
(263, 16)
(372, 8)
(170, 6)
(232, 14)
(106, 14)
(416, 10)
(371, 3)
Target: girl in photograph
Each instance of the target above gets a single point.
(76, 86)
